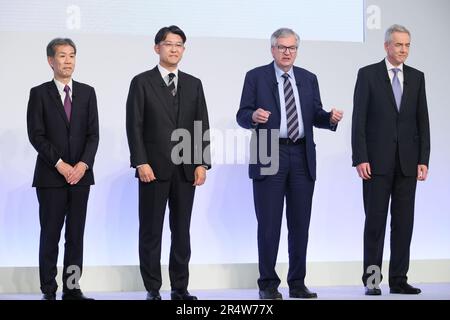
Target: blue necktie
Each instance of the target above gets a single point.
(397, 88)
(291, 110)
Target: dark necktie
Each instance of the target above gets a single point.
(396, 88)
(67, 102)
(171, 84)
(291, 110)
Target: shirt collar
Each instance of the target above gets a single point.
(61, 85)
(279, 73)
(389, 65)
(164, 72)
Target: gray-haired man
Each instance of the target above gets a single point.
(391, 151)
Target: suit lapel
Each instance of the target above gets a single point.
(301, 92)
(405, 94)
(160, 90)
(181, 109)
(272, 79)
(75, 98)
(386, 81)
(54, 94)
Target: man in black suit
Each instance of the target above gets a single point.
(283, 102)
(391, 150)
(163, 103)
(62, 121)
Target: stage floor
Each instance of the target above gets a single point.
(435, 291)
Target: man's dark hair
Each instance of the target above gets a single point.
(163, 32)
(51, 47)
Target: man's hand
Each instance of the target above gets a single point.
(146, 173)
(364, 170)
(260, 116)
(422, 172)
(336, 116)
(200, 176)
(77, 173)
(64, 169)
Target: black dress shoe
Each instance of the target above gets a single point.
(75, 294)
(302, 292)
(270, 294)
(405, 288)
(181, 295)
(372, 291)
(153, 295)
(49, 296)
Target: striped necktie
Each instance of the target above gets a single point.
(171, 84)
(291, 110)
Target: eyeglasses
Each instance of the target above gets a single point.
(176, 45)
(283, 49)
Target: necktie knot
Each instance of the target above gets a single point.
(66, 89)
(171, 76)
(396, 71)
(285, 76)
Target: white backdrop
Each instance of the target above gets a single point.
(223, 228)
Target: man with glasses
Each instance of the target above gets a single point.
(163, 101)
(283, 100)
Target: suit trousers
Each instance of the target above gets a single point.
(400, 190)
(153, 199)
(57, 205)
(293, 183)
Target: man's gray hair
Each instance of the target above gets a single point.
(282, 33)
(395, 28)
(51, 47)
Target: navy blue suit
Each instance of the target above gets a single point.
(295, 177)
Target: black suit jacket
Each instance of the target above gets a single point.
(151, 119)
(378, 128)
(55, 138)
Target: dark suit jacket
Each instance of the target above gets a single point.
(378, 128)
(54, 138)
(261, 91)
(151, 119)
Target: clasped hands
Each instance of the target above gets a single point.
(72, 174)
